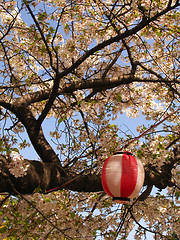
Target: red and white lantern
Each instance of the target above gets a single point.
(122, 176)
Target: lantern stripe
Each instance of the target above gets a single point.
(113, 175)
(140, 179)
(122, 176)
(104, 180)
(129, 175)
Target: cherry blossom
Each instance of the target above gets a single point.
(73, 73)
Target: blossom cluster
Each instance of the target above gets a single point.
(85, 133)
(18, 167)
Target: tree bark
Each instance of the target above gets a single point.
(46, 177)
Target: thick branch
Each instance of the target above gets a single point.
(100, 84)
(38, 140)
(6, 105)
(33, 97)
(48, 176)
(163, 178)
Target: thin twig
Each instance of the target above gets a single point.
(31, 204)
(146, 229)
(42, 34)
(5, 199)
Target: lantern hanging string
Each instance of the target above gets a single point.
(150, 128)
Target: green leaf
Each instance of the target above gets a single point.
(177, 194)
(66, 26)
(51, 29)
(118, 97)
(15, 150)
(139, 153)
(3, 229)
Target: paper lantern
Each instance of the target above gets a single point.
(122, 176)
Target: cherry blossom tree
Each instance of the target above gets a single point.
(80, 66)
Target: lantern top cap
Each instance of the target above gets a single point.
(123, 152)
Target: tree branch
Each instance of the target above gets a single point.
(98, 47)
(40, 144)
(146, 229)
(11, 24)
(52, 177)
(42, 35)
(109, 66)
(36, 136)
(101, 84)
(49, 104)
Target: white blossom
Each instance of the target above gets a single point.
(18, 167)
